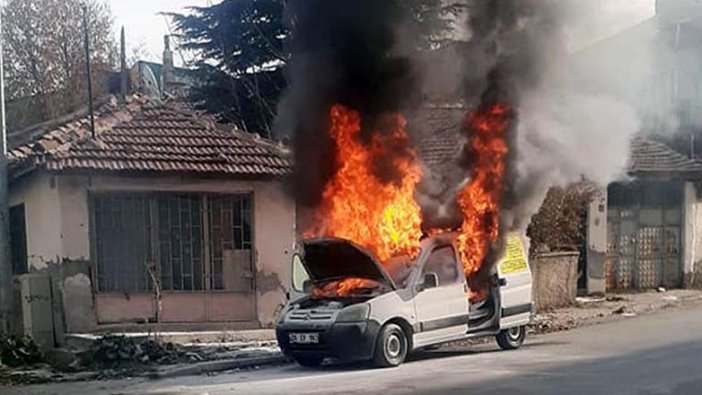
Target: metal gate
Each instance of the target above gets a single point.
(173, 257)
(644, 230)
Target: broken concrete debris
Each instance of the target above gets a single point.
(19, 351)
(112, 351)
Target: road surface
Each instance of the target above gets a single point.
(647, 355)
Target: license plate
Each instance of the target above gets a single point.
(304, 338)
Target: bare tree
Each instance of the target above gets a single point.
(44, 53)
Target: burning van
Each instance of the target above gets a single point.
(345, 304)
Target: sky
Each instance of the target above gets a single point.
(145, 28)
(606, 18)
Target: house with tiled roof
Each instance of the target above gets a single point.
(643, 232)
(158, 216)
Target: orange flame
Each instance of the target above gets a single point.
(383, 217)
(480, 199)
(356, 205)
(343, 288)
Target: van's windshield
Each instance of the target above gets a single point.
(350, 287)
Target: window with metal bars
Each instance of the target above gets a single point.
(122, 227)
(18, 240)
(189, 242)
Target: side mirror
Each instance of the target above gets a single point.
(307, 286)
(431, 280)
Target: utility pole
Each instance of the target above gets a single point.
(90, 79)
(6, 302)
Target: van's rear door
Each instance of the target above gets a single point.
(515, 279)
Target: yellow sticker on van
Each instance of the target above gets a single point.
(514, 259)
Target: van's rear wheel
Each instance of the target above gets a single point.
(391, 347)
(512, 338)
(309, 361)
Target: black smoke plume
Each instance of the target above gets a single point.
(516, 38)
(343, 52)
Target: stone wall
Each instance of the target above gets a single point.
(555, 279)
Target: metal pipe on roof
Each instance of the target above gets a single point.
(123, 67)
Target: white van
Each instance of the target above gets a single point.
(406, 306)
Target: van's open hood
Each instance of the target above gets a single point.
(332, 259)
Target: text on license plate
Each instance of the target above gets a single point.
(304, 338)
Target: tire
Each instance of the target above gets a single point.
(512, 338)
(391, 347)
(309, 361)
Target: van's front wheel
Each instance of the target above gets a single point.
(391, 347)
(512, 338)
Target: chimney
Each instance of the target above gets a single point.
(123, 67)
(167, 65)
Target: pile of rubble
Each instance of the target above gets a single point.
(18, 353)
(115, 356)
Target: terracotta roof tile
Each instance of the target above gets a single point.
(438, 133)
(652, 156)
(150, 137)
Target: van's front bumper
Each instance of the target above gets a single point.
(348, 341)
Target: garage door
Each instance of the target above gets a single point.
(644, 235)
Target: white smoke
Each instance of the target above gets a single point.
(580, 95)
(577, 111)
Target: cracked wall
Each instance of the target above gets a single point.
(58, 236)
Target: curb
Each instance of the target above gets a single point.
(217, 366)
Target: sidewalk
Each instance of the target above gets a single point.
(185, 338)
(592, 311)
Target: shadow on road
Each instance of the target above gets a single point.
(661, 371)
(419, 356)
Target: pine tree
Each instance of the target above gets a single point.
(241, 53)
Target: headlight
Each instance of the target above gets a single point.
(355, 313)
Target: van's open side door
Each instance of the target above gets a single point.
(515, 284)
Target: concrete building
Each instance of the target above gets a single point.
(162, 217)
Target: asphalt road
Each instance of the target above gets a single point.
(647, 355)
